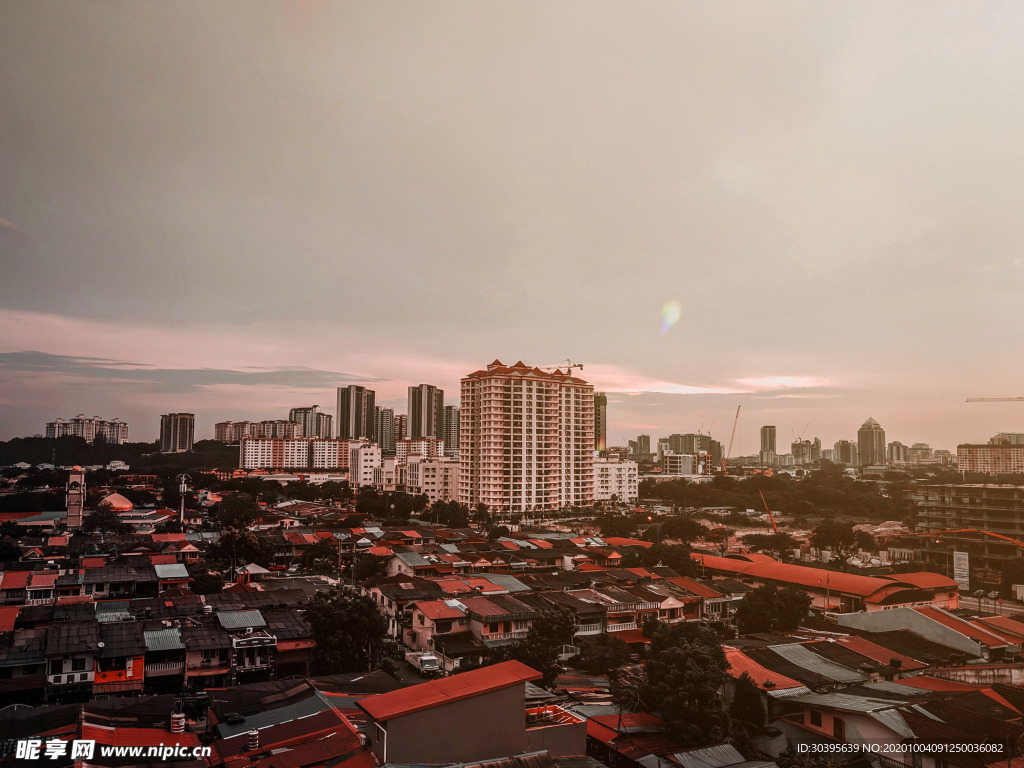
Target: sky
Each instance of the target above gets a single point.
(810, 210)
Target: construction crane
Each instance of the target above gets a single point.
(770, 515)
(994, 399)
(567, 364)
(927, 534)
(728, 453)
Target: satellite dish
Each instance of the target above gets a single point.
(99, 644)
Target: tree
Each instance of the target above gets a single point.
(168, 526)
(351, 634)
(9, 551)
(368, 566)
(203, 582)
(616, 525)
(835, 536)
(105, 520)
(769, 609)
(540, 648)
(602, 653)
(241, 547)
(779, 544)
(686, 672)
(747, 708)
(325, 551)
(237, 511)
(675, 556)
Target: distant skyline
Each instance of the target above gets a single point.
(810, 210)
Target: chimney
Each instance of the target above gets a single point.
(254, 740)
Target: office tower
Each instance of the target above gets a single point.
(426, 411)
(643, 447)
(600, 421)
(312, 421)
(871, 443)
(898, 453)
(114, 431)
(384, 428)
(75, 498)
(846, 452)
(768, 439)
(695, 443)
(356, 410)
(450, 433)
(527, 439)
(177, 432)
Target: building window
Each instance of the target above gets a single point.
(77, 665)
(838, 728)
(816, 718)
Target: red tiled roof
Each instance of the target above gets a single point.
(163, 538)
(739, 663)
(878, 653)
(163, 559)
(42, 580)
(438, 609)
(541, 543)
(93, 562)
(935, 684)
(694, 587)
(8, 615)
(959, 625)
(14, 579)
(436, 693)
(1007, 628)
(618, 541)
(925, 580)
(379, 552)
(295, 645)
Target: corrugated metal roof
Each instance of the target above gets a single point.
(894, 721)
(113, 610)
(171, 571)
(847, 701)
(507, 581)
(241, 619)
(781, 693)
(164, 639)
(710, 757)
(411, 558)
(812, 662)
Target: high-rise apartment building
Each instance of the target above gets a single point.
(616, 480)
(643, 447)
(426, 411)
(871, 443)
(234, 432)
(694, 443)
(450, 433)
(768, 439)
(438, 478)
(113, 431)
(1013, 438)
(401, 426)
(384, 428)
(312, 421)
(356, 412)
(177, 432)
(430, 447)
(600, 421)
(527, 439)
(990, 459)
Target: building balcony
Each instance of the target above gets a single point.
(165, 668)
(589, 629)
(622, 627)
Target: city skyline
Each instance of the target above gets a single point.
(788, 207)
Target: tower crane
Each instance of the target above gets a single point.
(567, 364)
(728, 453)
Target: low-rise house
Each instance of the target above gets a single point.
(120, 661)
(253, 646)
(414, 725)
(72, 648)
(165, 657)
(207, 653)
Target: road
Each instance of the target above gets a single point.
(1006, 608)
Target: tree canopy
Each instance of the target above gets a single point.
(540, 648)
(686, 672)
(768, 609)
(351, 633)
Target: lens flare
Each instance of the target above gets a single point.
(670, 314)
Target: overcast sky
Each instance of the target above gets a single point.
(231, 208)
